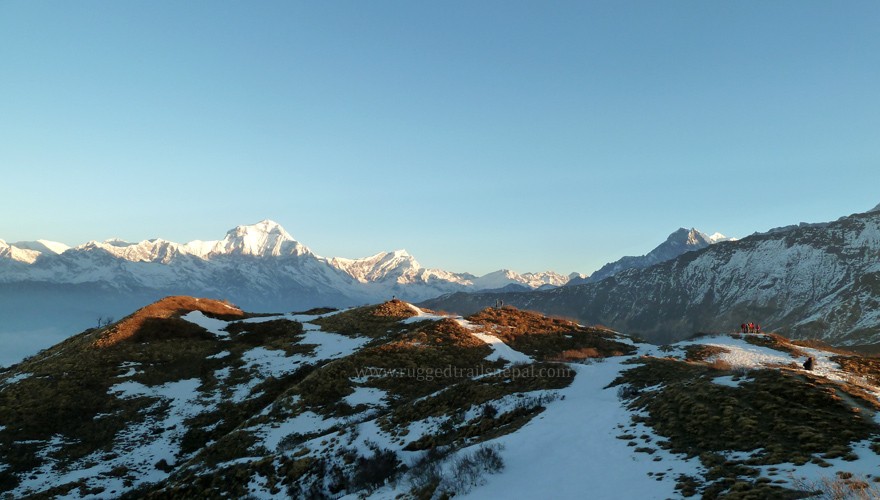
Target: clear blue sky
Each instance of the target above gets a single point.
(475, 134)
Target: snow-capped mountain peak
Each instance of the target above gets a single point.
(402, 253)
(398, 266)
(718, 237)
(505, 277)
(263, 239)
(116, 242)
(42, 246)
(18, 254)
(29, 251)
(680, 241)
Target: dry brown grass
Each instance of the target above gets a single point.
(842, 486)
(869, 368)
(138, 324)
(547, 338)
(818, 344)
(378, 321)
(579, 354)
(513, 322)
(720, 365)
(394, 308)
(702, 352)
(785, 417)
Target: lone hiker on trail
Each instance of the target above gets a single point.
(808, 364)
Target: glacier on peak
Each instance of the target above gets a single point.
(263, 239)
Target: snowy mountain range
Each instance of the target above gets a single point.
(806, 281)
(46, 285)
(194, 398)
(264, 248)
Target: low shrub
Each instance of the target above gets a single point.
(372, 472)
(469, 470)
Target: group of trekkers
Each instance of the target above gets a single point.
(750, 328)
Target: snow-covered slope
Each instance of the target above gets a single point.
(193, 398)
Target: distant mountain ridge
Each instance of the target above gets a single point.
(681, 241)
(808, 281)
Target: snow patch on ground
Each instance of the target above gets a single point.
(867, 465)
(132, 371)
(214, 326)
(727, 381)
(365, 396)
(332, 345)
(276, 363)
(307, 422)
(501, 350)
(18, 377)
(138, 448)
(741, 354)
(259, 488)
(270, 362)
(582, 431)
(422, 316)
